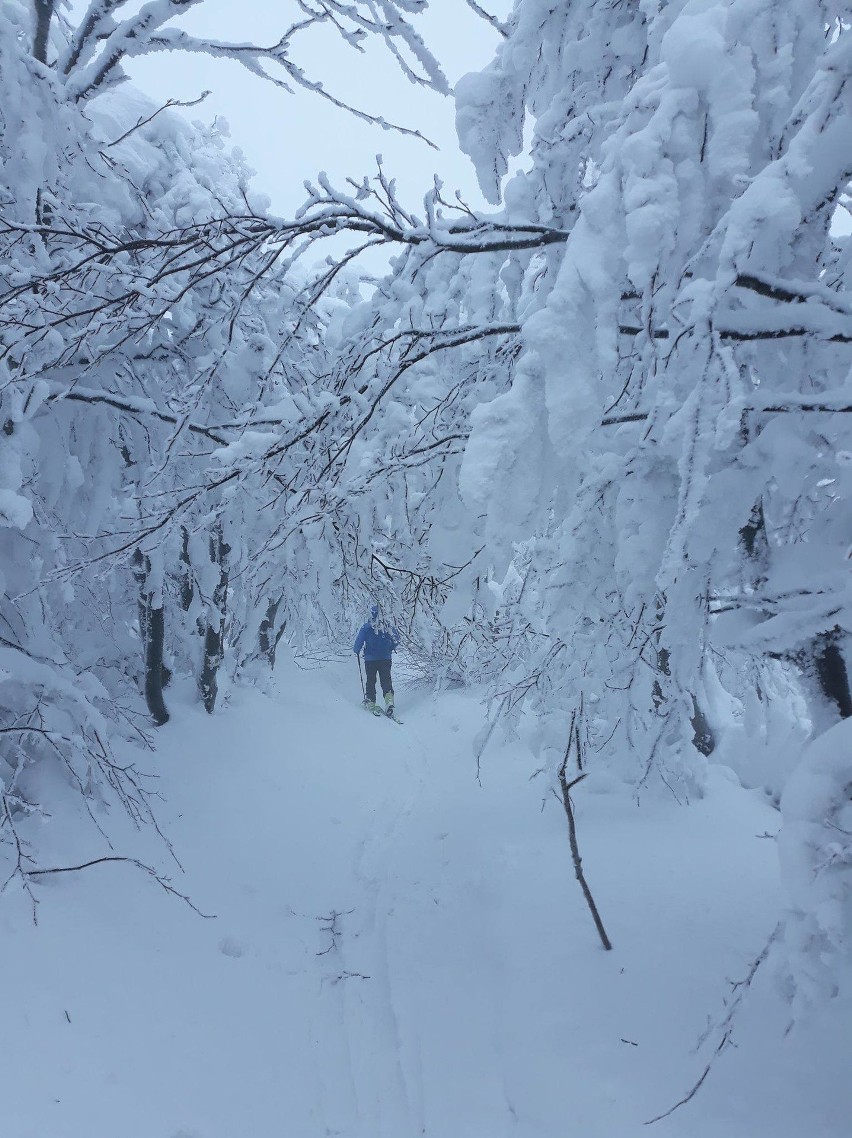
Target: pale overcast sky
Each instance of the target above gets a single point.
(288, 138)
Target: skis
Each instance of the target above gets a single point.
(379, 714)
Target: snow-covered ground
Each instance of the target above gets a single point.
(398, 951)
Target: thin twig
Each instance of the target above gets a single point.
(566, 788)
(161, 881)
(166, 106)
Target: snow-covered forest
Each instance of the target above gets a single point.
(589, 447)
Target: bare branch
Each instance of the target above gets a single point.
(165, 107)
(162, 881)
(566, 787)
(724, 1028)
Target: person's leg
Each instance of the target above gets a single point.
(386, 681)
(372, 667)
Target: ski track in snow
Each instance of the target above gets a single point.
(357, 973)
(390, 1109)
(399, 952)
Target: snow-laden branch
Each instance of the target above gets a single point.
(325, 215)
(799, 309)
(435, 342)
(743, 330)
(143, 408)
(255, 60)
(794, 291)
(100, 42)
(489, 18)
(103, 41)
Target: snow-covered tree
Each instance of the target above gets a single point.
(681, 402)
(161, 388)
(665, 451)
(601, 431)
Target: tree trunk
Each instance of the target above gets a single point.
(822, 661)
(215, 633)
(755, 545)
(267, 635)
(43, 16)
(187, 584)
(832, 674)
(152, 630)
(704, 738)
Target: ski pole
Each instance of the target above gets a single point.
(361, 674)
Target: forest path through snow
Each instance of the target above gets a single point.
(398, 950)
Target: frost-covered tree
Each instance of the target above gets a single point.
(664, 455)
(681, 404)
(161, 388)
(603, 425)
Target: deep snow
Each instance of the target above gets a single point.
(398, 951)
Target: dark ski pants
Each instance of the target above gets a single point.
(382, 668)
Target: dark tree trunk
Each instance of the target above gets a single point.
(215, 633)
(755, 545)
(754, 539)
(187, 584)
(831, 673)
(267, 635)
(43, 16)
(753, 536)
(155, 671)
(826, 679)
(704, 738)
(662, 663)
(152, 630)
(822, 661)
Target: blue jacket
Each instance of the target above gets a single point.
(377, 645)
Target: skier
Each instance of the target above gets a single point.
(378, 642)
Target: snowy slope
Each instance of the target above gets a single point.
(398, 951)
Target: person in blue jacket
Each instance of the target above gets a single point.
(378, 642)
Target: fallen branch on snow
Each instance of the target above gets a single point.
(725, 1027)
